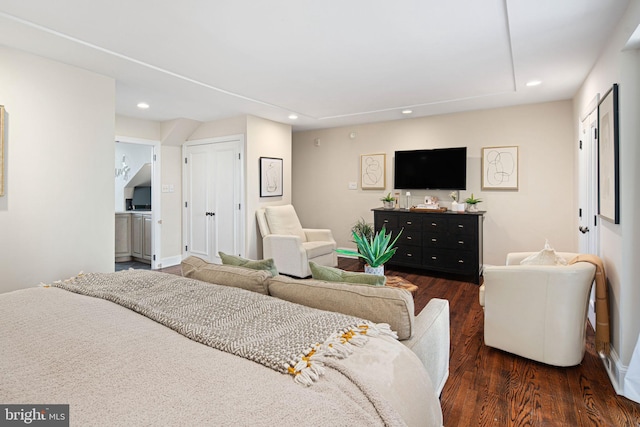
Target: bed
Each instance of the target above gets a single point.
(115, 366)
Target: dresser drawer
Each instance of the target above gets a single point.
(435, 240)
(387, 220)
(450, 260)
(407, 255)
(463, 225)
(409, 237)
(435, 224)
(410, 222)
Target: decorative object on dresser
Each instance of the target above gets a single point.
(388, 201)
(472, 202)
(445, 242)
(375, 251)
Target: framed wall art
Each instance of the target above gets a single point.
(608, 157)
(270, 177)
(500, 168)
(373, 171)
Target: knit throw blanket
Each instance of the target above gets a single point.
(289, 338)
(602, 301)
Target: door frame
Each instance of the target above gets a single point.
(156, 209)
(588, 189)
(240, 140)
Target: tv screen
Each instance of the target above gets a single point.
(435, 169)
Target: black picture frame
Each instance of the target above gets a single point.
(270, 177)
(609, 157)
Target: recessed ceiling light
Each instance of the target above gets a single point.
(407, 111)
(143, 105)
(293, 116)
(534, 83)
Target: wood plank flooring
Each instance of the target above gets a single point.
(488, 387)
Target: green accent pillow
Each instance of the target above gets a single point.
(263, 264)
(330, 274)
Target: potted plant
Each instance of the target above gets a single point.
(375, 251)
(472, 202)
(363, 228)
(388, 201)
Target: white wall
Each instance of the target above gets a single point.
(543, 207)
(56, 218)
(619, 243)
(264, 139)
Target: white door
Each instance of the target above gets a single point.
(213, 201)
(588, 193)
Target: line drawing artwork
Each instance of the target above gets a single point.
(372, 171)
(500, 168)
(270, 177)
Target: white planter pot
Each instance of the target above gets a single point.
(378, 271)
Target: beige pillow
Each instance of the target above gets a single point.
(547, 256)
(226, 275)
(379, 304)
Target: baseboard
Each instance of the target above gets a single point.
(170, 261)
(615, 369)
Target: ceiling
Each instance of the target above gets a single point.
(331, 63)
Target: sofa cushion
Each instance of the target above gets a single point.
(547, 256)
(284, 220)
(226, 275)
(262, 264)
(379, 304)
(330, 274)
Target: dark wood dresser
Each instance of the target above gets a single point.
(447, 242)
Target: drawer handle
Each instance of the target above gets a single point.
(409, 255)
(461, 242)
(460, 261)
(434, 224)
(460, 226)
(409, 223)
(434, 240)
(386, 220)
(434, 257)
(408, 237)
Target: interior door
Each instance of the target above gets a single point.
(588, 193)
(213, 176)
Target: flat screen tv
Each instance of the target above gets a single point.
(435, 169)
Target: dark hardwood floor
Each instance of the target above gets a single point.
(489, 387)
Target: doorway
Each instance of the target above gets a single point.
(213, 197)
(137, 202)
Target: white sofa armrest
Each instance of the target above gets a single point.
(514, 258)
(431, 340)
(318, 235)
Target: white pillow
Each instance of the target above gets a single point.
(546, 256)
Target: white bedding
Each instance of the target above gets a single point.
(116, 367)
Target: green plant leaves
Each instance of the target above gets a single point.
(376, 250)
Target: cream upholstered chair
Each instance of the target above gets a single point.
(537, 311)
(290, 245)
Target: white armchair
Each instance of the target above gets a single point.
(290, 245)
(537, 311)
